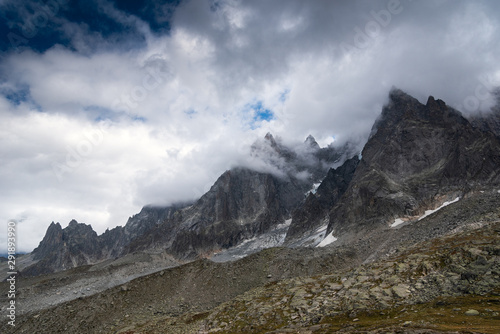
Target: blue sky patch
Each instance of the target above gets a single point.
(261, 113)
(256, 113)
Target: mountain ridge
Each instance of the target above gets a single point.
(242, 203)
(416, 157)
(407, 228)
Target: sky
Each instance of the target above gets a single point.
(107, 105)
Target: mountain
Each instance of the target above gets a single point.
(78, 244)
(400, 237)
(417, 157)
(242, 204)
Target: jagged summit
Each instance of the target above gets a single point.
(73, 223)
(311, 142)
(416, 154)
(435, 104)
(270, 138)
(403, 110)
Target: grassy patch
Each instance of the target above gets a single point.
(443, 314)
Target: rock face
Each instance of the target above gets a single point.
(314, 211)
(116, 241)
(240, 205)
(76, 245)
(417, 155)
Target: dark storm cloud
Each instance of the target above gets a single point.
(39, 25)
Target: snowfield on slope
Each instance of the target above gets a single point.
(327, 240)
(273, 238)
(399, 221)
(430, 212)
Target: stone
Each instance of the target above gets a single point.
(472, 312)
(401, 291)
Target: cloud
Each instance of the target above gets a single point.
(151, 104)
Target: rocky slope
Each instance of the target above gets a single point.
(449, 272)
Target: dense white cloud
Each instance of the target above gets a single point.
(101, 130)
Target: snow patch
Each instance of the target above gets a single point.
(287, 223)
(498, 191)
(273, 238)
(430, 212)
(314, 188)
(313, 239)
(327, 240)
(397, 222)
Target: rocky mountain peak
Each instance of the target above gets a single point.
(73, 223)
(75, 245)
(404, 111)
(415, 154)
(312, 143)
(269, 137)
(52, 239)
(435, 104)
(418, 154)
